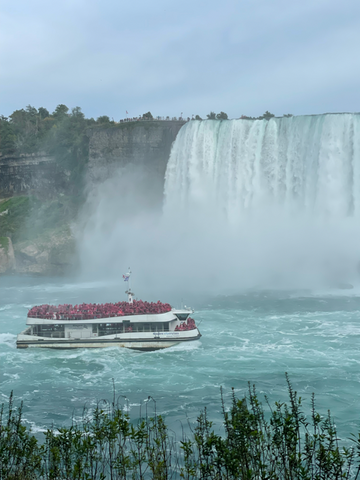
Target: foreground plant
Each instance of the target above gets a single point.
(278, 442)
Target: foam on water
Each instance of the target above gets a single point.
(5, 307)
(8, 339)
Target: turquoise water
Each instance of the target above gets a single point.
(250, 337)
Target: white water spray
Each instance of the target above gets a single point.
(246, 204)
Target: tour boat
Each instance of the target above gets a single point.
(133, 324)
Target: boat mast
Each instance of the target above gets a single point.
(129, 293)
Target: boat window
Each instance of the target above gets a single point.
(182, 316)
(110, 328)
(166, 327)
(52, 331)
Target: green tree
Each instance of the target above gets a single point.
(77, 113)
(103, 120)
(26, 128)
(222, 116)
(267, 115)
(211, 116)
(18, 119)
(7, 136)
(31, 111)
(68, 142)
(60, 111)
(147, 116)
(197, 117)
(43, 113)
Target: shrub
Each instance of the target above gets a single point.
(279, 442)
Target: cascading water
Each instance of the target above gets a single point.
(273, 199)
(309, 164)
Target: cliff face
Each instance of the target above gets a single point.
(27, 174)
(145, 145)
(140, 144)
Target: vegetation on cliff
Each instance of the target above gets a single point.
(214, 116)
(279, 442)
(223, 116)
(60, 134)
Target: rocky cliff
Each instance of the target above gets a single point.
(53, 253)
(28, 174)
(144, 144)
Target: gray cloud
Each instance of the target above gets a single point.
(239, 56)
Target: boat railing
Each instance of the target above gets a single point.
(79, 316)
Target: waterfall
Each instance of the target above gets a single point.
(300, 165)
(247, 203)
(267, 202)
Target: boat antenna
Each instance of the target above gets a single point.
(129, 293)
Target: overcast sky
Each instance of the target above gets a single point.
(237, 56)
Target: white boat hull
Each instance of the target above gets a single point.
(147, 341)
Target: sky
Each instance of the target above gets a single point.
(242, 57)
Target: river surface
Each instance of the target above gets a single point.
(249, 337)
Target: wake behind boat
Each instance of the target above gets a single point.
(133, 324)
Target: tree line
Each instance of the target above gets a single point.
(279, 442)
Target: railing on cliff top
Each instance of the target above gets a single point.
(155, 119)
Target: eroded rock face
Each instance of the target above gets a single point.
(7, 257)
(53, 256)
(27, 174)
(142, 145)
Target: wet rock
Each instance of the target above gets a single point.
(54, 255)
(7, 257)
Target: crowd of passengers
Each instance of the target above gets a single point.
(94, 310)
(189, 325)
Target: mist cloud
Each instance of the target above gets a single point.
(199, 251)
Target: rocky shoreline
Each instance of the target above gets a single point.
(54, 256)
